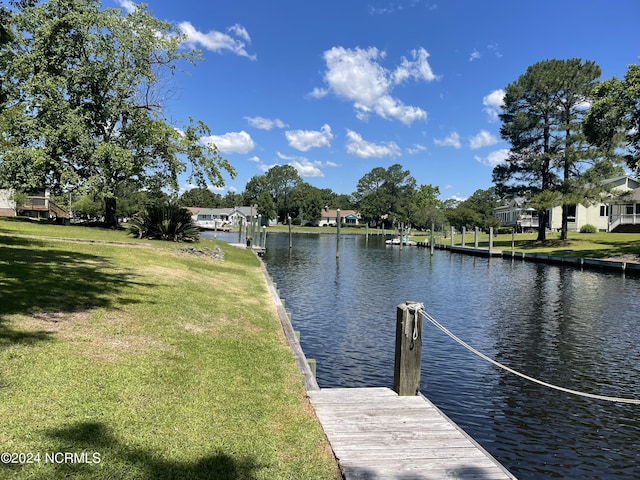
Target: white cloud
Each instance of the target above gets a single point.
(318, 93)
(453, 140)
(304, 166)
(356, 145)
(356, 75)
(417, 148)
(494, 158)
(304, 140)
(265, 123)
(255, 159)
(127, 5)
(475, 55)
(493, 104)
(419, 69)
(482, 139)
(235, 40)
(232, 142)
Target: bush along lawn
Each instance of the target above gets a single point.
(147, 363)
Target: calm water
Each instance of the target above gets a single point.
(578, 329)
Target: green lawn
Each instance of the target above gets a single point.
(156, 363)
(592, 245)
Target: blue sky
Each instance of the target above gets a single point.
(336, 88)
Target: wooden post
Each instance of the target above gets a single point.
(290, 239)
(513, 240)
(432, 238)
(406, 375)
(475, 240)
(452, 234)
(338, 221)
(490, 239)
(264, 236)
(239, 229)
(464, 230)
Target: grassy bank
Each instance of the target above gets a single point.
(584, 245)
(146, 363)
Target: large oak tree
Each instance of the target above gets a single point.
(85, 109)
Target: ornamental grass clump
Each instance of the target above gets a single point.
(166, 221)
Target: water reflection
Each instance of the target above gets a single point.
(577, 329)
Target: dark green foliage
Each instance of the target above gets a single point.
(588, 228)
(201, 197)
(613, 122)
(166, 221)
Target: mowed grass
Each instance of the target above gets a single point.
(584, 245)
(146, 363)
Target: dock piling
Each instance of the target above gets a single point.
(406, 375)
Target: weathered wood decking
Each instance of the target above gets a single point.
(376, 434)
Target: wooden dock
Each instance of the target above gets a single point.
(376, 434)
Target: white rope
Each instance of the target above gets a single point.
(526, 377)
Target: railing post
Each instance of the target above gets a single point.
(406, 375)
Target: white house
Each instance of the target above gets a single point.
(7, 205)
(617, 210)
(516, 214)
(223, 218)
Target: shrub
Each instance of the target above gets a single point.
(165, 221)
(588, 228)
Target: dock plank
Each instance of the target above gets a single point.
(376, 434)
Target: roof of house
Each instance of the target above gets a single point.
(333, 213)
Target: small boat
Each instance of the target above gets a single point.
(405, 241)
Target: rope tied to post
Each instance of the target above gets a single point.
(417, 309)
(443, 329)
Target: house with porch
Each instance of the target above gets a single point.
(38, 205)
(223, 218)
(618, 211)
(329, 217)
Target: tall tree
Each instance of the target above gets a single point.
(266, 207)
(385, 195)
(613, 121)
(281, 181)
(308, 202)
(426, 208)
(541, 118)
(484, 202)
(252, 190)
(370, 196)
(200, 197)
(87, 112)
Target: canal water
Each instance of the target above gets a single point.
(576, 329)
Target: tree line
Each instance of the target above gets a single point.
(82, 113)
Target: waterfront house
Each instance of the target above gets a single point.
(516, 214)
(329, 217)
(36, 205)
(223, 218)
(617, 211)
